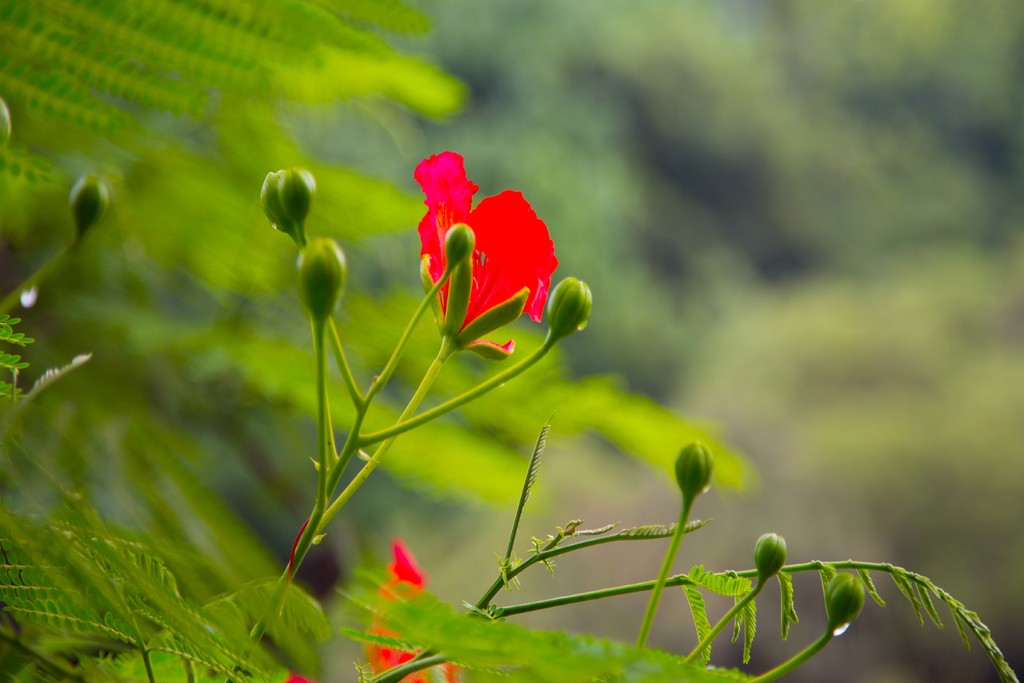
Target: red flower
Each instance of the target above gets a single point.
(513, 250)
(296, 678)
(406, 581)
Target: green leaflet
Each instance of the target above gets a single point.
(869, 585)
(788, 606)
(903, 583)
(827, 572)
(748, 617)
(699, 610)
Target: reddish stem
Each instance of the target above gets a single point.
(291, 559)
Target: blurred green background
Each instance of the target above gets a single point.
(800, 221)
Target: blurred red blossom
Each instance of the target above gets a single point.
(406, 580)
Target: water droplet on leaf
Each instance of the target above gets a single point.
(29, 296)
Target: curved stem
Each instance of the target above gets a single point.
(666, 565)
(549, 552)
(815, 565)
(44, 271)
(346, 371)
(561, 601)
(713, 633)
(798, 659)
(403, 341)
(403, 425)
(399, 672)
(446, 351)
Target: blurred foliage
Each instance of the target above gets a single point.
(798, 218)
(806, 218)
(174, 275)
(196, 406)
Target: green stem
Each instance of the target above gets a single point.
(403, 425)
(44, 271)
(550, 552)
(190, 671)
(561, 601)
(713, 633)
(149, 665)
(801, 657)
(659, 587)
(324, 457)
(403, 341)
(815, 565)
(627, 589)
(399, 672)
(346, 371)
(446, 351)
(323, 426)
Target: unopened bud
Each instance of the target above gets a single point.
(844, 598)
(89, 200)
(458, 243)
(693, 471)
(769, 556)
(322, 273)
(286, 196)
(568, 308)
(5, 123)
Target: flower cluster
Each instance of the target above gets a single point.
(512, 256)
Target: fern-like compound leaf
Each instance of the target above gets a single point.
(724, 583)
(528, 482)
(7, 333)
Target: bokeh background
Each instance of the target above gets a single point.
(800, 221)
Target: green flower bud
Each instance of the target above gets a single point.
(769, 556)
(844, 598)
(286, 196)
(322, 272)
(568, 308)
(693, 471)
(89, 200)
(458, 243)
(5, 123)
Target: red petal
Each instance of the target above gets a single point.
(404, 567)
(449, 198)
(513, 250)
